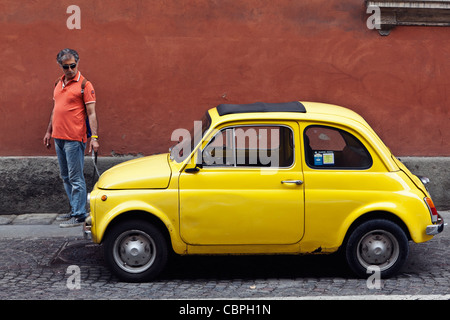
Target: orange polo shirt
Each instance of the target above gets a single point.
(69, 112)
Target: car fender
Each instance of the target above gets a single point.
(407, 216)
(140, 206)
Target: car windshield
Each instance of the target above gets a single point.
(180, 151)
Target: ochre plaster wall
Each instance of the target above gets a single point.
(159, 65)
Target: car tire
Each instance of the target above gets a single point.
(377, 246)
(135, 251)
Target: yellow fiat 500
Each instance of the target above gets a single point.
(263, 178)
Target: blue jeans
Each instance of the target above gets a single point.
(71, 165)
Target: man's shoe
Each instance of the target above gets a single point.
(73, 222)
(64, 216)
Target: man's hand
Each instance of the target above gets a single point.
(94, 145)
(47, 140)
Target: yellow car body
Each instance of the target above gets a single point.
(308, 202)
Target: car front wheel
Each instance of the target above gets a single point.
(377, 245)
(135, 251)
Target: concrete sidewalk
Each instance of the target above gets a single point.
(35, 225)
(44, 225)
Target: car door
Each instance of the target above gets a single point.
(249, 189)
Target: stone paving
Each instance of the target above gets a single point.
(64, 266)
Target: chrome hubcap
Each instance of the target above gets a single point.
(379, 248)
(134, 251)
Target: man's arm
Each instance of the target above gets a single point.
(93, 123)
(48, 133)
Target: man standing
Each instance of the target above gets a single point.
(68, 127)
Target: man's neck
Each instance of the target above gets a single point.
(67, 80)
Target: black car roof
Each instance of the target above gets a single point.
(294, 106)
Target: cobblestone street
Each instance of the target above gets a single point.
(37, 268)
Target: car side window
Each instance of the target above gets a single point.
(251, 146)
(327, 147)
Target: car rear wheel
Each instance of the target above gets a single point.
(377, 245)
(135, 251)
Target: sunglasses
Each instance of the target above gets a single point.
(71, 66)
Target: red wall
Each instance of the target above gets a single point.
(159, 65)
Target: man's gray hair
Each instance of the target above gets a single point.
(65, 54)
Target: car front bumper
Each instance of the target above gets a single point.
(436, 228)
(87, 235)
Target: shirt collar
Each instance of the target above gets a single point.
(76, 78)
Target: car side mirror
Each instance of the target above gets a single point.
(194, 169)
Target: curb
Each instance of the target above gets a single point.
(35, 226)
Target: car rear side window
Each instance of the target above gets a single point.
(332, 148)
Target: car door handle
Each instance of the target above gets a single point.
(297, 182)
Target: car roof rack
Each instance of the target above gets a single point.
(294, 106)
